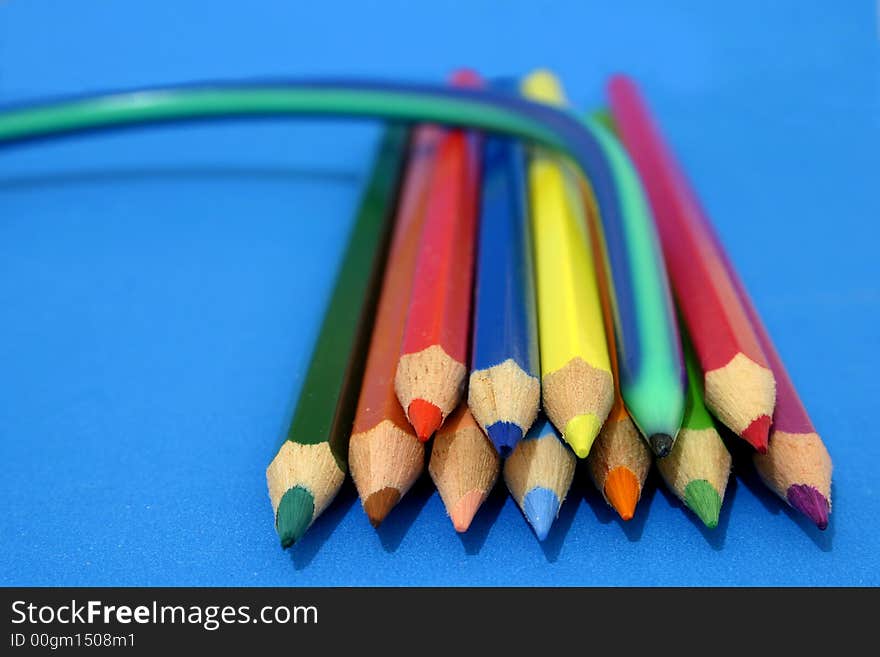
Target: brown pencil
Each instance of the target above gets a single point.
(464, 466)
(385, 455)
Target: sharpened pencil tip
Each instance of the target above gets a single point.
(810, 502)
(294, 515)
(703, 500)
(580, 432)
(505, 436)
(540, 506)
(379, 504)
(424, 417)
(622, 489)
(661, 444)
(462, 514)
(757, 433)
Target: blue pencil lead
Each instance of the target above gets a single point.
(505, 436)
(541, 506)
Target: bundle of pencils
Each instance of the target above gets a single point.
(558, 248)
(549, 282)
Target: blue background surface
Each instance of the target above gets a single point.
(160, 291)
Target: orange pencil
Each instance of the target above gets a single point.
(619, 460)
(385, 455)
(431, 371)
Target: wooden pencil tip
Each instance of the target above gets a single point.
(294, 515)
(622, 490)
(757, 433)
(810, 502)
(462, 514)
(379, 504)
(425, 418)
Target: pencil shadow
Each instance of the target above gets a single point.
(398, 523)
(744, 468)
(716, 537)
(552, 545)
(304, 552)
(175, 174)
(474, 538)
(606, 514)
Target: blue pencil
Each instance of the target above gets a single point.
(504, 391)
(539, 473)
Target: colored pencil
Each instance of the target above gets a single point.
(576, 381)
(431, 370)
(739, 384)
(538, 474)
(698, 467)
(797, 465)
(504, 391)
(310, 465)
(620, 460)
(464, 466)
(385, 455)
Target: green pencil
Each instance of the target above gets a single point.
(698, 467)
(311, 462)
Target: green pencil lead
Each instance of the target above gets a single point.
(294, 515)
(703, 500)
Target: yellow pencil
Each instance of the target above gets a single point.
(576, 381)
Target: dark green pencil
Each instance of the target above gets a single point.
(311, 462)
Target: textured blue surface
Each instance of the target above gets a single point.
(160, 291)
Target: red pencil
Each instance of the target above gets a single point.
(739, 385)
(431, 372)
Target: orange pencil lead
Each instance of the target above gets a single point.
(622, 489)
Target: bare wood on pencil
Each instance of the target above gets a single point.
(311, 466)
(430, 374)
(540, 463)
(618, 445)
(738, 392)
(504, 393)
(464, 466)
(796, 458)
(575, 389)
(385, 457)
(699, 454)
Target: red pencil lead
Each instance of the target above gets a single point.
(757, 433)
(425, 418)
